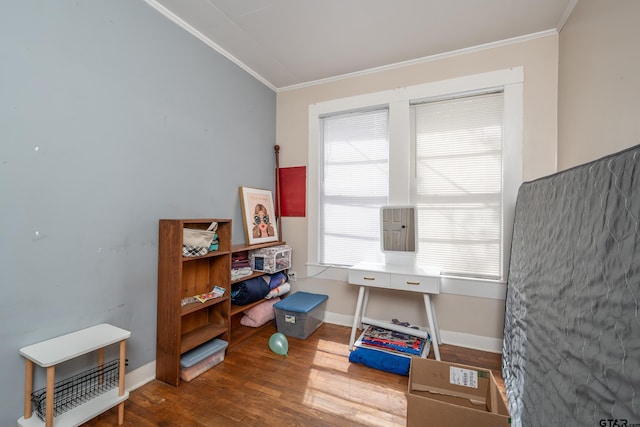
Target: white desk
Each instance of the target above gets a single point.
(401, 278)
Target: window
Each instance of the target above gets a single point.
(458, 183)
(453, 150)
(354, 183)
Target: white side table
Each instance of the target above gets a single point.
(48, 354)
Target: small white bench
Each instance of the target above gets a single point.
(48, 354)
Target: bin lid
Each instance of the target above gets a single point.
(201, 352)
(301, 302)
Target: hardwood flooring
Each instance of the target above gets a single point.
(315, 385)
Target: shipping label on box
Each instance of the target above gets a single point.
(462, 376)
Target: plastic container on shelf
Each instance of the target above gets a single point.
(202, 358)
(271, 260)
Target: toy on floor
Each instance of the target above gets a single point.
(278, 344)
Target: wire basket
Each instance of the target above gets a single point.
(80, 388)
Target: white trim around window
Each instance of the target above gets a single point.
(398, 101)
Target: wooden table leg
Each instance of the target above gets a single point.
(123, 362)
(28, 389)
(49, 396)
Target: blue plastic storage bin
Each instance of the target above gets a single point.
(300, 314)
(201, 352)
(202, 358)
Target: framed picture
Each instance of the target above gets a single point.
(259, 217)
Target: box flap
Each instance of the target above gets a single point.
(473, 398)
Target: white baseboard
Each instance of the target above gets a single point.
(141, 376)
(476, 342)
(338, 319)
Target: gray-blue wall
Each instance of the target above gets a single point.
(111, 117)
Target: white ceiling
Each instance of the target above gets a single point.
(290, 43)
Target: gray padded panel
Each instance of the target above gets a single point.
(571, 353)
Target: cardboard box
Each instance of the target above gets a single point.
(450, 394)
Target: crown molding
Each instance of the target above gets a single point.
(206, 40)
(425, 59)
(189, 28)
(566, 14)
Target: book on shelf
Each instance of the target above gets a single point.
(216, 292)
(380, 338)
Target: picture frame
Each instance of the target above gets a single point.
(258, 214)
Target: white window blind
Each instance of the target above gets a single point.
(458, 184)
(354, 184)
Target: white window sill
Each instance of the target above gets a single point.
(450, 285)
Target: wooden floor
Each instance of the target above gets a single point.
(315, 385)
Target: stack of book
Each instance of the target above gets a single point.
(378, 338)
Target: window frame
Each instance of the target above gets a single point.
(398, 101)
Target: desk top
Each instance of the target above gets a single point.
(409, 269)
